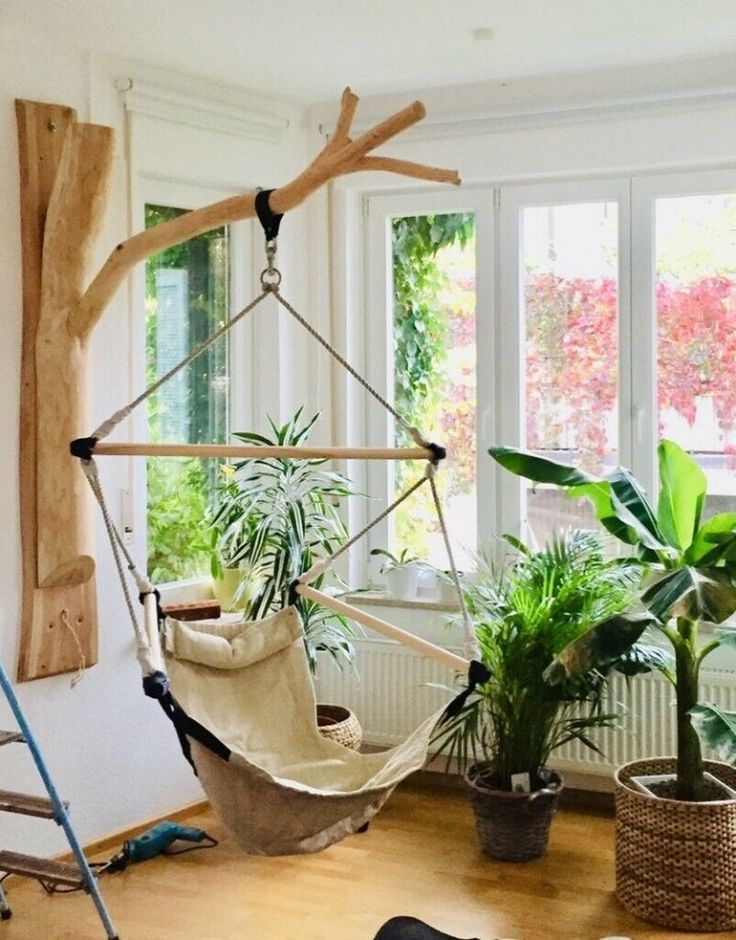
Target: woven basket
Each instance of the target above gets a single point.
(513, 827)
(676, 861)
(339, 724)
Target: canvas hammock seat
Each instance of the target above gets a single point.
(279, 785)
(240, 693)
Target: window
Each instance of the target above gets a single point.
(569, 314)
(695, 302)
(425, 350)
(187, 299)
(434, 369)
(610, 323)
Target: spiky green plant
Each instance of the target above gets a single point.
(524, 614)
(280, 516)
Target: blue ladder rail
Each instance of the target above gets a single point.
(62, 817)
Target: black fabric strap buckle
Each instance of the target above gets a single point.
(268, 219)
(438, 452)
(478, 674)
(160, 615)
(83, 447)
(292, 595)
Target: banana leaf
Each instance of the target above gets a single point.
(695, 593)
(717, 729)
(600, 647)
(681, 495)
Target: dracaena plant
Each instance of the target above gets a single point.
(690, 580)
(279, 516)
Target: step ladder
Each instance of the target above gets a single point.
(48, 871)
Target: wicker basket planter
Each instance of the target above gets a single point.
(676, 861)
(339, 724)
(513, 827)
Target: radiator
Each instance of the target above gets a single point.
(392, 690)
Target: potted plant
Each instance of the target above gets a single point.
(524, 614)
(401, 572)
(675, 841)
(289, 518)
(237, 563)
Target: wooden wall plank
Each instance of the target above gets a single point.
(48, 615)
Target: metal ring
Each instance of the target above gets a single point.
(270, 278)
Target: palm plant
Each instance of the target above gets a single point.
(281, 515)
(525, 614)
(692, 579)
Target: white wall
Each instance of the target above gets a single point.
(112, 753)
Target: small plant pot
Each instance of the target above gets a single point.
(447, 592)
(427, 583)
(513, 827)
(337, 723)
(226, 588)
(676, 860)
(403, 582)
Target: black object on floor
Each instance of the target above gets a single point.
(409, 928)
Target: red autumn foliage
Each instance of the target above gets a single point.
(572, 358)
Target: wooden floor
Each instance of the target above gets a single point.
(419, 857)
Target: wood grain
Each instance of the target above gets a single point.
(257, 451)
(46, 646)
(420, 857)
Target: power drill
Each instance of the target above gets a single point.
(157, 841)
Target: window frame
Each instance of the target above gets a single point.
(242, 359)
(645, 190)
(378, 210)
(513, 200)
(500, 336)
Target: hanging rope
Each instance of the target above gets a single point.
(270, 282)
(119, 549)
(325, 563)
(471, 649)
(114, 420)
(413, 432)
(66, 622)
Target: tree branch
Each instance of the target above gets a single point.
(340, 156)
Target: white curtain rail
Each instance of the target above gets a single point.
(249, 451)
(451, 660)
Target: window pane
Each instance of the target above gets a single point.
(569, 297)
(186, 300)
(434, 369)
(696, 334)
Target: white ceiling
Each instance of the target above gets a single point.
(310, 49)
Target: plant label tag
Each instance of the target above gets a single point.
(520, 783)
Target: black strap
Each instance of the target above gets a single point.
(478, 673)
(187, 727)
(268, 219)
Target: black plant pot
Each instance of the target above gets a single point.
(513, 827)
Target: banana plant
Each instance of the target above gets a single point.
(691, 579)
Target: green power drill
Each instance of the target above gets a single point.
(158, 841)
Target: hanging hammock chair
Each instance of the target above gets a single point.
(240, 693)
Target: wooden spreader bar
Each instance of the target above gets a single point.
(451, 660)
(249, 451)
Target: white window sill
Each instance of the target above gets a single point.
(384, 599)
